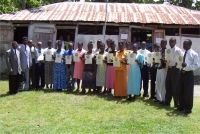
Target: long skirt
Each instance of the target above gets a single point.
(101, 75)
(59, 81)
(78, 70)
(120, 85)
(110, 76)
(49, 72)
(89, 80)
(160, 84)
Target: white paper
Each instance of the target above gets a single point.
(158, 40)
(40, 57)
(76, 57)
(99, 59)
(124, 36)
(68, 59)
(131, 58)
(116, 62)
(109, 57)
(157, 57)
(48, 56)
(58, 58)
(88, 59)
(179, 62)
(149, 58)
(168, 54)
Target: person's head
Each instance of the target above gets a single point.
(14, 44)
(143, 45)
(128, 45)
(98, 44)
(30, 42)
(61, 38)
(112, 45)
(102, 47)
(147, 40)
(59, 44)
(163, 43)
(108, 41)
(49, 43)
(39, 44)
(135, 47)
(156, 47)
(187, 44)
(138, 39)
(80, 45)
(172, 42)
(68, 37)
(121, 46)
(134, 39)
(90, 46)
(25, 40)
(70, 46)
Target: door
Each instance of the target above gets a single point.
(158, 35)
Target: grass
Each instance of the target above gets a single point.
(62, 112)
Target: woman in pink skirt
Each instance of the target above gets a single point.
(79, 66)
(110, 72)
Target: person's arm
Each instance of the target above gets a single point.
(194, 65)
(10, 70)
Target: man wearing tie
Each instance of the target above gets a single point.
(14, 68)
(186, 82)
(172, 77)
(26, 63)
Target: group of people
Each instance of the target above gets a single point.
(50, 67)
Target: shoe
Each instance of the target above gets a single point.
(129, 99)
(187, 112)
(162, 102)
(180, 109)
(145, 95)
(156, 100)
(165, 104)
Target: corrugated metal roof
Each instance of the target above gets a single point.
(117, 13)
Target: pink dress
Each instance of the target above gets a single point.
(79, 66)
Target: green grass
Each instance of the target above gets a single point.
(61, 112)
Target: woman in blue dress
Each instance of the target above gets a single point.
(59, 80)
(134, 74)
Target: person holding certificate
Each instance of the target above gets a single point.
(39, 66)
(145, 69)
(89, 72)
(173, 74)
(134, 74)
(110, 71)
(70, 67)
(121, 73)
(153, 71)
(161, 74)
(79, 65)
(101, 68)
(49, 63)
(59, 76)
(108, 41)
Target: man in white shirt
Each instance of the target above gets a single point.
(186, 82)
(145, 69)
(173, 73)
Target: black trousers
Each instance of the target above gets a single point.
(153, 71)
(14, 81)
(39, 75)
(186, 90)
(172, 84)
(32, 80)
(145, 79)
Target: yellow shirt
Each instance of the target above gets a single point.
(121, 56)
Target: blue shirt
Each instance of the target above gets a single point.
(69, 52)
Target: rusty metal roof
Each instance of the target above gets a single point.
(117, 13)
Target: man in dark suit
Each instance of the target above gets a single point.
(14, 68)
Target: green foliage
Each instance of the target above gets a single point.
(7, 6)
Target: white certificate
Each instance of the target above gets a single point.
(58, 58)
(179, 62)
(40, 57)
(48, 56)
(88, 59)
(68, 59)
(168, 54)
(109, 57)
(99, 59)
(124, 36)
(131, 58)
(116, 62)
(76, 57)
(157, 57)
(149, 58)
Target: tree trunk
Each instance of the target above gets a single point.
(23, 4)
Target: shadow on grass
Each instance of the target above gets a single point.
(6, 94)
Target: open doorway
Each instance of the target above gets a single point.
(139, 35)
(19, 33)
(64, 33)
